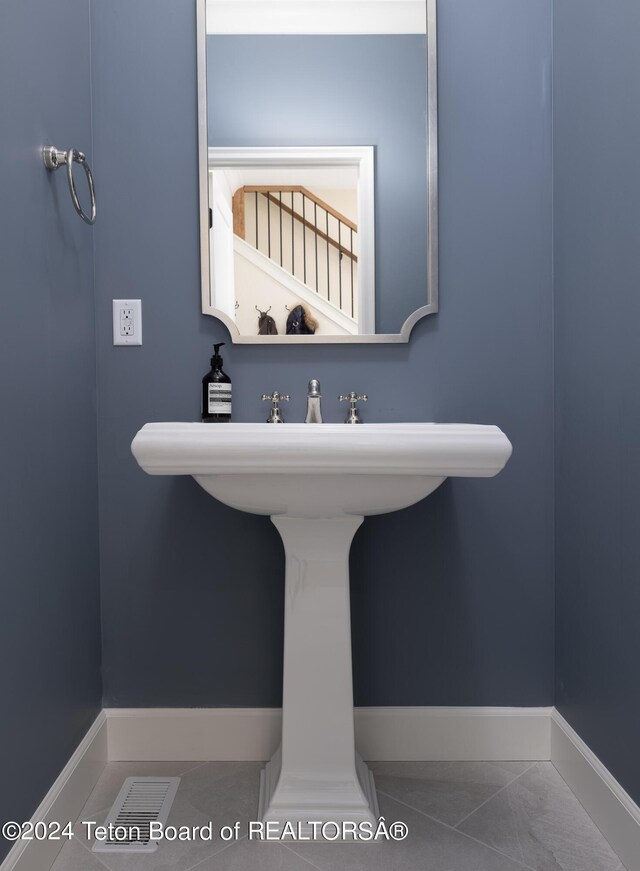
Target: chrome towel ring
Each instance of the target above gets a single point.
(54, 158)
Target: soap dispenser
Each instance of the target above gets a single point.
(216, 391)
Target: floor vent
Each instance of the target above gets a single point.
(141, 801)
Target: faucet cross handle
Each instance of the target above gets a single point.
(275, 415)
(353, 415)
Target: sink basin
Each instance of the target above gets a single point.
(318, 482)
(367, 469)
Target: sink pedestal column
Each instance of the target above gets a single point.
(316, 775)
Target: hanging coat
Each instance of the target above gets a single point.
(299, 323)
(266, 325)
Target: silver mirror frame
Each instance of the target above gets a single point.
(432, 208)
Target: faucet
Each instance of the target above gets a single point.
(275, 415)
(353, 398)
(314, 414)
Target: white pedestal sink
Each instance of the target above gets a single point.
(318, 482)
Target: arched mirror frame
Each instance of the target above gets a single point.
(431, 306)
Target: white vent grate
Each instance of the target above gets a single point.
(141, 801)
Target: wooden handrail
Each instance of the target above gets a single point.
(266, 191)
(298, 189)
(311, 226)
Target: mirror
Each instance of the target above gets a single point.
(318, 168)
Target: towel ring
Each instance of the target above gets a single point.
(54, 158)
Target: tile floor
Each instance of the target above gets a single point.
(461, 816)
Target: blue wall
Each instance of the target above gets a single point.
(49, 617)
(459, 610)
(597, 309)
(347, 90)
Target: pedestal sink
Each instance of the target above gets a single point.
(317, 482)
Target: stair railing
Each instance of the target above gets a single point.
(327, 236)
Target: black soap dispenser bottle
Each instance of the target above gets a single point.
(216, 391)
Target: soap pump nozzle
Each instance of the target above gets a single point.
(216, 360)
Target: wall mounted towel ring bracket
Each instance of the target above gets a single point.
(54, 158)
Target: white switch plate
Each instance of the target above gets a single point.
(127, 322)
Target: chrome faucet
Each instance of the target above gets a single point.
(314, 414)
(275, 398)
(353, 398)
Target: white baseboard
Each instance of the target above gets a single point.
(198, 734)
(415, 733)
(611, 808)
(430, 733)
(64, 801)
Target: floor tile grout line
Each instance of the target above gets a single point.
(92, 854)
(193, 768)
(533, 764)
(95, 813)
(299, 856)
(495, 794)
(216, 853)
(458, 832)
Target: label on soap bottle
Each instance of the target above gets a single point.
(219, 398)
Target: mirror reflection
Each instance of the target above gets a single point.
(317, 171)
(289, 231)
